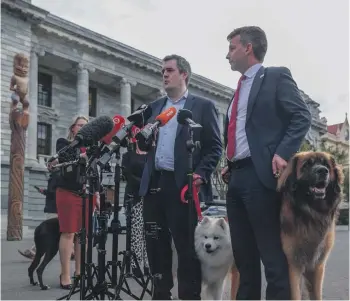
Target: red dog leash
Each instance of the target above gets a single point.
(195, 191)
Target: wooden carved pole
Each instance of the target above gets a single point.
(19, 120)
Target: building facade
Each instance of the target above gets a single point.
(75, 71)
(337, 139)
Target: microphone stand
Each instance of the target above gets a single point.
(115, 224)
(190, 145)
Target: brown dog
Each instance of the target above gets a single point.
(311, 189)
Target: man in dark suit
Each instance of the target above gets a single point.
(265, 125)
(165, 174)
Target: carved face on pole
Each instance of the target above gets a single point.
(20, 65)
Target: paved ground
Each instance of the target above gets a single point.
(15, 283)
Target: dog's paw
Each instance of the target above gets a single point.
(33, 283)
(45, 287)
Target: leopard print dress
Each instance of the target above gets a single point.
(133, 165)
(138, 241)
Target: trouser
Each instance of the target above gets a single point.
(171, 216)
(253, 215)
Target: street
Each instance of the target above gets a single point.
(15, 282)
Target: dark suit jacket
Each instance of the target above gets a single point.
(277, 120)
(205, 159)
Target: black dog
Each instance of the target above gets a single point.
(46, 238)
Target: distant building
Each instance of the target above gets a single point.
(337, 137)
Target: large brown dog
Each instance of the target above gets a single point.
(311, 193)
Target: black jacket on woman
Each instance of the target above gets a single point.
(68, 178)
(133, 165)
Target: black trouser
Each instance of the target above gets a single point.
(165, 208)
(253, 215)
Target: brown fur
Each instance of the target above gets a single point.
(308, 226)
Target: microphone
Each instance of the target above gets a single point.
(161, 120)
(184, 117)
(138, 118)
(93, 131)
(89, 134)
(119, 122)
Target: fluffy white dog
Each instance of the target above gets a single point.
(213, 247)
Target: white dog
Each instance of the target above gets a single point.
(213, 247)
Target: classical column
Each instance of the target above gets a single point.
(33, 107)
(83, 89)
(160, 93)
(125, 97)
(221, 122)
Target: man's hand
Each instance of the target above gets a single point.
(50, 165)
(225, 174)
(278, 165)
(197, 180)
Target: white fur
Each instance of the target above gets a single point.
(216, 265)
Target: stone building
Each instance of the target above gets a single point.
(74, 71)
(337, 139)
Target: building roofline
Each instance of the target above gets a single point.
(80, 34)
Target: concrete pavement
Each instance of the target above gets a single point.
(15, 283)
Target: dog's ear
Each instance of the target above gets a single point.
(205, 220)
(338, 175)
(288, 177)
(222, 223)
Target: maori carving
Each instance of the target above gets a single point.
(19, 120)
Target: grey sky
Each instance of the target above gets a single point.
(310, 37)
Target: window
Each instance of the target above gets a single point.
(44, 139)
(92, 102)
(44, 89)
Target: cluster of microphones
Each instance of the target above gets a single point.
(113, 133)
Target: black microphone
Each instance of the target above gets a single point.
(137, 118)
(93, 131)
(89, 134)
(184, 117)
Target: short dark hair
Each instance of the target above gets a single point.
(182, 64)
(254, 35)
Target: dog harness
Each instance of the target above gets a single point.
(195, 192)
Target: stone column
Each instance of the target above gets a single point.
(33, 107)
(125, 97)
(160, 93)
(221, 122)
(83, 89)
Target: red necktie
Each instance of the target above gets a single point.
(231, 133)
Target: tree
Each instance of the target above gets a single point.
(306, 146)
(217, 182)
(340, 156)
(346, 185)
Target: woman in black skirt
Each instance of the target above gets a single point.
(133, 162)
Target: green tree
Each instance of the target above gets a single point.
(217, 182)
(306, 146)
(340, 156)
(346, 185)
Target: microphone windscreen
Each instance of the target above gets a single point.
(183, 115)
(165, 116)
(95, 130)
(141, 115)
(119, 122)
